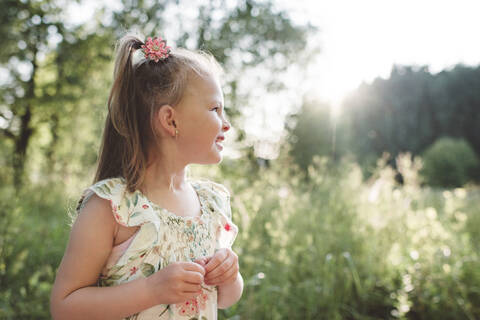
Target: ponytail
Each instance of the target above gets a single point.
(121, 151)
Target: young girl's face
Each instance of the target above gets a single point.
(201, 121)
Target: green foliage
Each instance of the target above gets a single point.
(411, 110)
(58, 100)
(33, 234)
(310, 133)
(449, 163)
(55, 76)
(338, 247)
(333, 247)
(406, 113)
(330, 247)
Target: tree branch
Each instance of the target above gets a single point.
(7, 133)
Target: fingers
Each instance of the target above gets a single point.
(228, 278)
(193, 277)
(192, 266)
(202, 261)
(223, 268)
(191, 288)
(216, 260)
(220, 269)
(229, 274)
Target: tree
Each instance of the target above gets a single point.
(52, 104)
(311, 133)
(412, 109)
(242, 35)
(47, 66)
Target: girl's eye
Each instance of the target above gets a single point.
(215, 109)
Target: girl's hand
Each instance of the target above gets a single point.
(220, 269)
(176, 283)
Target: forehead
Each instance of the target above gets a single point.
(204, 88)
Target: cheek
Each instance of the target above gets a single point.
(211, 125)
(203, 131)
(202, 128)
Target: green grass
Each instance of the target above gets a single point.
(330, 247)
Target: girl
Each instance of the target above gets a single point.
(148, 243)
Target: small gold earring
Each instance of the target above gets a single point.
(176, 133)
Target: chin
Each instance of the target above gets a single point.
(217, 159)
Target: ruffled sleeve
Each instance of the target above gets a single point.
(218, 200)
(130, 210)
(112, 190)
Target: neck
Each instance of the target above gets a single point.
(160, 176)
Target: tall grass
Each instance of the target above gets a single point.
(338, 247)
(332, 246)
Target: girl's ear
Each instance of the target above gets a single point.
(165, 120)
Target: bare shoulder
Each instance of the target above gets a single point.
(90, 244)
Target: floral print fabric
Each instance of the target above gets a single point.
(165, 237)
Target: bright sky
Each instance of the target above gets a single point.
(361, 40)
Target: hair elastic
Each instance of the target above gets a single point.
(156, 49)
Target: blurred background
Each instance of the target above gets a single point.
(353, 163)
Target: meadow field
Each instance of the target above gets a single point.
(333, 246)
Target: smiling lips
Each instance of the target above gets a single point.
(218, 142)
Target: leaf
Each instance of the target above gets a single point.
(110, 183)
(135, 214)
(147, 269)
(115, 277)
(218, 200)
(114, 269)
(136, 200)
(106, 189)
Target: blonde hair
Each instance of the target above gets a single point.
(140, 87)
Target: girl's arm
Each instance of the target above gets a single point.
(74, 295)
(229, 294)
(115, 302)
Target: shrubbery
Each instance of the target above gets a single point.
(449, 163)
(33, 234)
(338, 247)
(330, 247)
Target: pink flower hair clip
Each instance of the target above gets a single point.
(156, 49)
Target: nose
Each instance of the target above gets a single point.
(226, 125)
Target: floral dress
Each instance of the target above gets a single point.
(165, 237)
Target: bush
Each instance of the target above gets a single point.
(33, 233)
(339, 247)
(449, 163)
